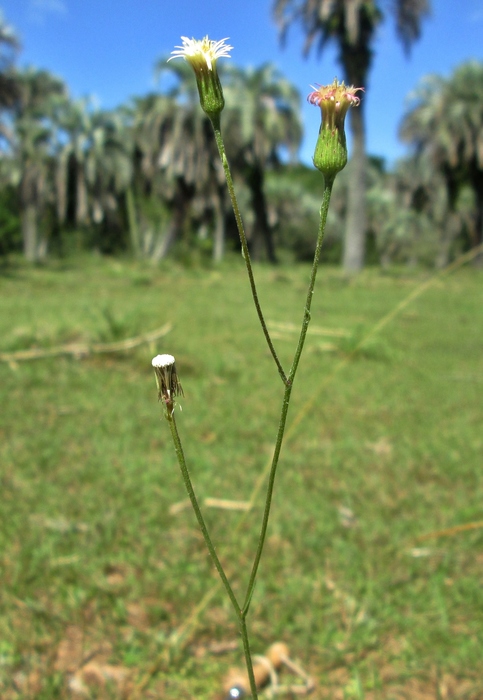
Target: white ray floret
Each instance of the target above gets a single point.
(204, 49)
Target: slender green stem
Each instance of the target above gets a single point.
(206, 535)
(199, 516)
(324, 210)
(248, 656)
(286, 397)
(268, 499)
(243, 239)
(242, 612)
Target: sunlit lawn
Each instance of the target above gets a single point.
(99, 571)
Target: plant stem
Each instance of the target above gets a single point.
(206, 536)
(242, 612)
(243, 240)
(248, 655)
(287, 394)
(324, 210)
(199, 516)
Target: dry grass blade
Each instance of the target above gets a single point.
(448, 531)
(83, 349)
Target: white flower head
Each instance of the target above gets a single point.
(167, 380)
(197, 51)
(202, 56)
(163, 361)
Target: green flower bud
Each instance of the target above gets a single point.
(334, 100)
(202, 56)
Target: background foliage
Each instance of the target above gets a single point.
(144, 178)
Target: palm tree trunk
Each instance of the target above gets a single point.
(262, 232)
(29, 213)
(61, 176)
(28, 218)
(163, 247)
(182, 200)
(82, 208)
(132, 222)
(449, 230)
(355, 234)
(477, 183)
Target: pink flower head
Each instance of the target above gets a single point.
(334, 101)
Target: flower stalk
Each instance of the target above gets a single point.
(330, 157)
(202, 56)
(168, 387)
(287, 395)
(244, 244)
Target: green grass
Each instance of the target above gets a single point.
(95, 565)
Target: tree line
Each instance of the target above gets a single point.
(145, 177)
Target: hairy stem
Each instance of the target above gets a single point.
(243, 239)
(241, 612)
(287, 395)
(206, 536)
(248, 656)
(199, 516)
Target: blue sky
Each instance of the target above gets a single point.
(107, 48)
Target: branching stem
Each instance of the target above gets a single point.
(241, 617)
(288, 380)
(243, 240)
(287, 394)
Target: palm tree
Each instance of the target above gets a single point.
(261, 118)
(92, 158)
(174, 164)
(444, 126)
(31, 147)
(177, 160)
(145, 117)
(401, 215)
(9, 45)
(294, 208)
(351, 25)
(108, 172)
(75, 124)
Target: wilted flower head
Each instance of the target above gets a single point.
(334, 101)
(202, 55)
(167, 380)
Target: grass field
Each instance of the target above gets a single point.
(99, 571)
